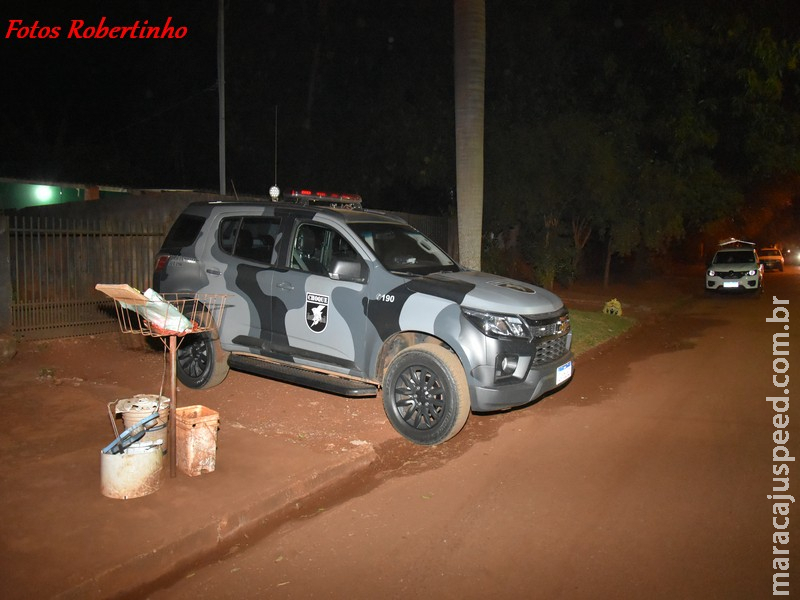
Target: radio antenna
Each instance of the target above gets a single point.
(274, 192)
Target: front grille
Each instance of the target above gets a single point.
(550, 350)
(550, 336)
(732, 274)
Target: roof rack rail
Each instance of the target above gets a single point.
(308, 198)
(735, 242)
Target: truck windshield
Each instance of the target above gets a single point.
(403, 249)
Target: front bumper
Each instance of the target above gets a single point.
(745, 282)
(507, 395)
(504, 373)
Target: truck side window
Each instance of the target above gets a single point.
(307, 250)
(322, 251)
(345, 262)
(250, 238)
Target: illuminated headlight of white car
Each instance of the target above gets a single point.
(751, 272)
(498, 326)
(711, 272)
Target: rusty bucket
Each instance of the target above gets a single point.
(129, 466)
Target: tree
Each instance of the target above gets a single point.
(470, 76)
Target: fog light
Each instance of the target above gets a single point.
(506, 365)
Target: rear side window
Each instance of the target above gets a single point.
(184, 232)
(250, 238)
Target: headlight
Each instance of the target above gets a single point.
(751, 272)
(711, 272)
(498, 326)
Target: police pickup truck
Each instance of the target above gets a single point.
(324, 294)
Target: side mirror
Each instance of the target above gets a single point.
(348, 270)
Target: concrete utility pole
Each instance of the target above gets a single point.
(221, 88)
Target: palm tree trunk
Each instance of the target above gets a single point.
(470, 75)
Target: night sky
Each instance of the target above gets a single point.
(362, 89)
(108, 111)
(144, 112)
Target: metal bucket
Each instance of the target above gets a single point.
(140, 406)
(136, 472)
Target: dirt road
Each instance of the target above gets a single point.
(646, 477)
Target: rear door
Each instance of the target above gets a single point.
(242, 266)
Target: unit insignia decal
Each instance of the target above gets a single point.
(316, 312)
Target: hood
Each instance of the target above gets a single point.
(487, 292)
(725, 267)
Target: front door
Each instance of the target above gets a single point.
(317, 319)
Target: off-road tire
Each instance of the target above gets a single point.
(201, 363)
(425, 394)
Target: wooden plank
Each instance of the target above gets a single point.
(122, 292)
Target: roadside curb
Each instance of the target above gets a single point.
(144, 570)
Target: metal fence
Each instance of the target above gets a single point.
(55, 264)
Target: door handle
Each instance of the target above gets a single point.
(285, 285)
(213, 271)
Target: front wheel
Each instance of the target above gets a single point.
(425, 394)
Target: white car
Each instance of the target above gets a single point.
(735, 267)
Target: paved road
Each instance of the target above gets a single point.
(647, 477)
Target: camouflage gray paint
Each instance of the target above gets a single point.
(353, 327)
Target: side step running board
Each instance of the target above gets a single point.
(300, 376)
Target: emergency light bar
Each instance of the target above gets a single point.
(307, 197)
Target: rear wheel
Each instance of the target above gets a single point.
(201, 361)
(425, 394)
